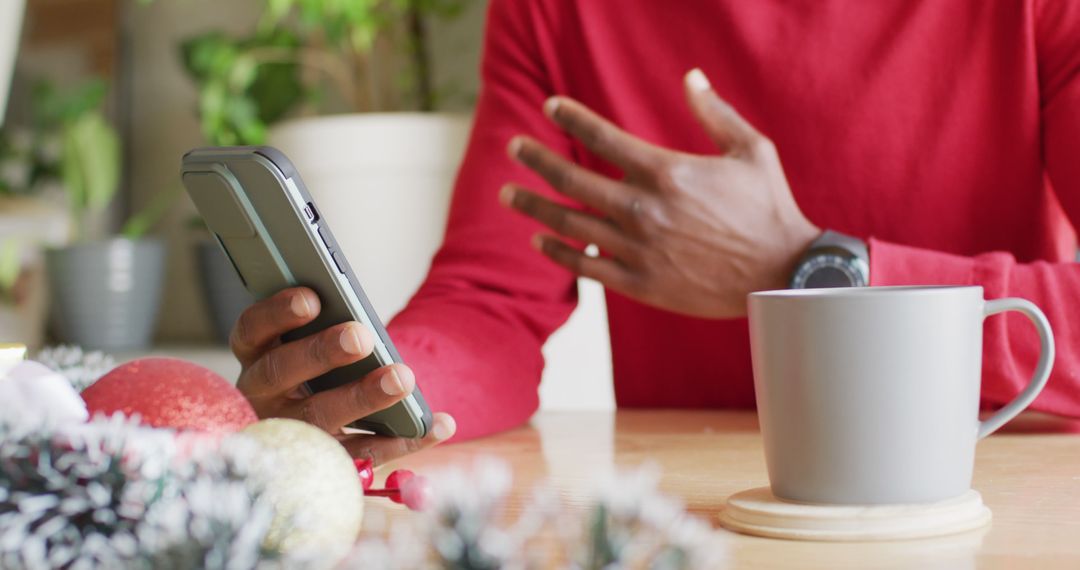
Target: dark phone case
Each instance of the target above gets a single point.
(242, 192)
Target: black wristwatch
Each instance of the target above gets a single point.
(833, 260)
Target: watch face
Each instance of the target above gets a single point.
(829, 270)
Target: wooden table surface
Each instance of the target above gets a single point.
(1028, 474)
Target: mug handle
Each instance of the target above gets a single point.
(1042, 369)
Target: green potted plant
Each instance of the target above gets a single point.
(345, 88)
(104, 291)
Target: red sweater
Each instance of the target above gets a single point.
(947, 134)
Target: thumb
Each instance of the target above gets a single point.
(727, 129)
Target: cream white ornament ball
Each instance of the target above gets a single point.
(32, 392)
(316, 493)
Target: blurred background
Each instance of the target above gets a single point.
(101, 248)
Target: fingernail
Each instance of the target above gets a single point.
(506, 195)
(350, 341)
(391, 383)
(444, 428)
(300, 306)
(514, 147)
(550, 106)
(697, 81)
(537, 242)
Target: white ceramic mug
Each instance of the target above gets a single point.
(871, 395)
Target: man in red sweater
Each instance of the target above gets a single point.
(938, 141)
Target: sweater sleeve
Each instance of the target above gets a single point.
(473, 332)
(1011, 346)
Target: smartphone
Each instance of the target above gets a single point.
(258, 209)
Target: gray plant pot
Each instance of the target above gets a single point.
(225, 294)
(105, 295)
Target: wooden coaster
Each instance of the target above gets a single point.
(759, 513)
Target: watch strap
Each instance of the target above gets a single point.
(836, 240)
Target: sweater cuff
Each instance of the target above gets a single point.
(895, 264)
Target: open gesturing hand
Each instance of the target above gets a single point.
(688, 233)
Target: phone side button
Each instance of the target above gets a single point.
(327, 242)
(339, 261)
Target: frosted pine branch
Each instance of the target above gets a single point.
(80, 368)
(111, 493)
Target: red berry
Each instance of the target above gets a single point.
(366, 472)
(398, 478)
(405, 487)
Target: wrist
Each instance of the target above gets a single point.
(792, 245)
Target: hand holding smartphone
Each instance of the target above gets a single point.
(257, 207)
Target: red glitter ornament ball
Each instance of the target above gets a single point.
(173, 393)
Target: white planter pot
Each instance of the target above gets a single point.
(11, 13)
(383, 182)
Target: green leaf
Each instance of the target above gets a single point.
(245, 83)
(360, 12)
(277, 90)
(362, 39)
(53, 107)
(140, 223)
(90, 167)
(72, 176)
(277, 10)
(243, 73)
(277, 87)
(212, 100)
(208, 55)
(336, 29)
(244, 116)
(10, 265)
(312, 12)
